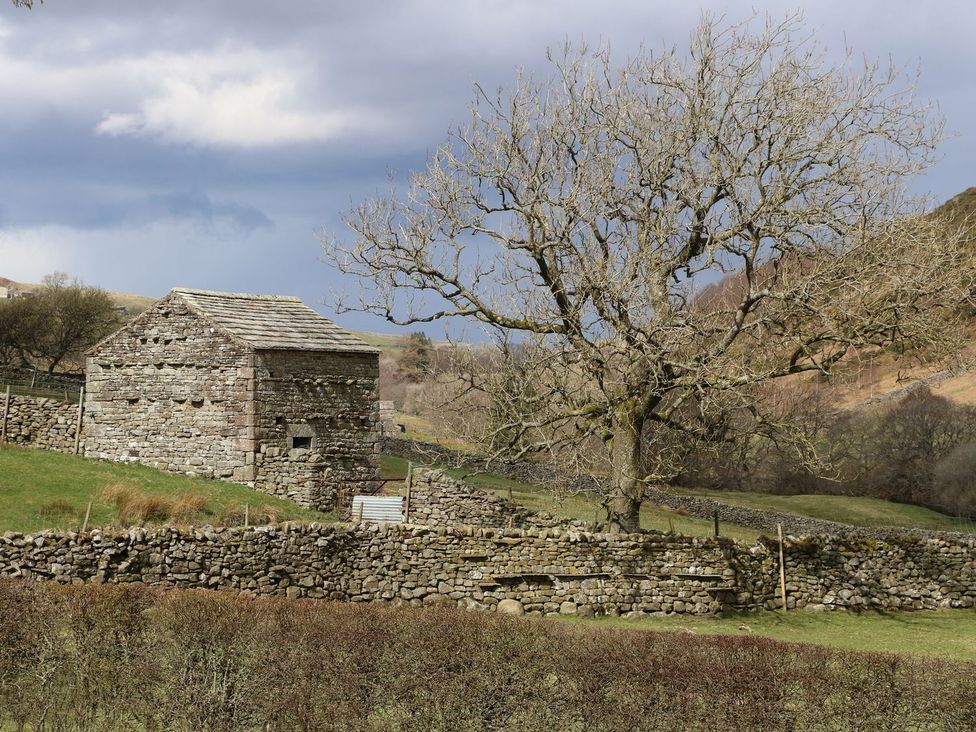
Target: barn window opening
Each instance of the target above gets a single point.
(301, 443)
(279, 421)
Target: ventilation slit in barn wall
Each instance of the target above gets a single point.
(196, 403)
(302, 443)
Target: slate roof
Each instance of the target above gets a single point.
(272, 322)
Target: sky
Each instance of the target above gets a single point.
(177, 143)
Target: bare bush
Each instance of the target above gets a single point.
(121, 658)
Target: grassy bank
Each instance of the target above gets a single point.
(45, 489)
(117, 658)
(872, 512)
(855, 510)
(947, 634)
(575, 506)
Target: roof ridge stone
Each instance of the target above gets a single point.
(237, 295)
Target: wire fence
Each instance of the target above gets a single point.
(42, 385)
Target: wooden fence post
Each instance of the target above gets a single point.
(81, 409)
(716, 522)
(6, 410)
(406, 502)
(782, 566)
(84, 526)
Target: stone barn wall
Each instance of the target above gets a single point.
(45, 423)
(542, 571)
(329, 399)
(170, 391)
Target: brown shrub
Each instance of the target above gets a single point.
(124, 497)
(119, 658)
(264, 514)
(153, 508)
(187, 505)
(134, 507)
(233, 514)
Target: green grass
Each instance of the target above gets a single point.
(45, 489)
(939, 633)
(389, 343)
(576, 506)
(845, 509)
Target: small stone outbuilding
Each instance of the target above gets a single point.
(254, 389)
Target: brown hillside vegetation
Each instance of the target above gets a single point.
(114, 658)
(874, 373)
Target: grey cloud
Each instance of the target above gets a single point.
(197, 206)
(410, 63)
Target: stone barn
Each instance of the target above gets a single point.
(254, 389)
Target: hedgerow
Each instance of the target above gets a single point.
(121, 658)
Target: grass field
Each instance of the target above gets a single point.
(846, 509)
(940, 634)
(45, 489)
(31, 480)
(575, 506)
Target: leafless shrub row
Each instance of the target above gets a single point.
(112, 658)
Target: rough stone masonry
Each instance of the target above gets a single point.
(44, 423)
(536, 571)
(255, 389)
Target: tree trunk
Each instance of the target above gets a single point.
(627, 488)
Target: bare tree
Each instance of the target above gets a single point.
(581, 217)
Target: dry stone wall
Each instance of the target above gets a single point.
(438, 500)
(331, 400)
(899, 573)
(44, 423)
(539, 571)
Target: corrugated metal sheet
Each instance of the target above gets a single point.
(387, 509)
